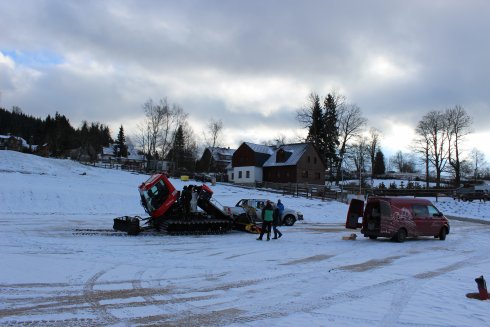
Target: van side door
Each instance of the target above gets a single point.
(422, 219)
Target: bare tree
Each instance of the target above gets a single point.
(150, 129)
(433, 130)
(215, 128)
(358, 154)
(350, 124)
(478, 161)
(158, 129)
(458, 123)
(213, 137)
(403, 162)
(421, 147)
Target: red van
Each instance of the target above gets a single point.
(397, 218)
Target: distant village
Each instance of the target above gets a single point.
(250, 163)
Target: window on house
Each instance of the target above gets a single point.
(308, 159)
(304, 174)
(239, 175)
(248, 173)
(314, 160)
(232, 176)
(318, 175)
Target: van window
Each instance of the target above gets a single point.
(385, 208)
(420, 210)
(433, 211)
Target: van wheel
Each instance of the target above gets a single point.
(289, 220)
(442, 234)
(401, 235)
(373, 237)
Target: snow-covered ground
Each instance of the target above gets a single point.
(53, 274)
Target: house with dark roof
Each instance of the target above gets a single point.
(295, 163)
(290, 163)
(215, 159)
(247, 163)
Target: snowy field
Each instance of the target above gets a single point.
(53, 274)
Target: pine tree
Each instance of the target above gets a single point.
(120, 148)
(379, 164)
(316, 130)
(178, 148)
(331, 135)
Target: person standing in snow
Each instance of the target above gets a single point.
(276, 221)
(280, 206)
(267, 217)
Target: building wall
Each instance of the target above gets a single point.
(247, 174)
(309, 169)
(243, 157)
(280, 174)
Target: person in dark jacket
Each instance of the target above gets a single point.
(267, 218)
(276, 221)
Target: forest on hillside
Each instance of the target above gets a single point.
(55, 132)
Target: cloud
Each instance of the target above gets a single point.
(250, 63)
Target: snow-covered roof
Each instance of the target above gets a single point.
(108, 151)
(260, 148)
(132, 152)
(294, 151)
(220, 153)
(24, 142)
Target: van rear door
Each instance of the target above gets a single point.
(356, 210)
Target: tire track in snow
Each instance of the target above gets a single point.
(89, 295)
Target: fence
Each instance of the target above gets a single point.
(304, 190)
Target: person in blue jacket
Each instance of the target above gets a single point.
(280, 206)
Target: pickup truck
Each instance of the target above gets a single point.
(288, 218)
(470, 194)
(475, 195)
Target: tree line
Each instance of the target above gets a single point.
(336, 127)
(339, 132)
(55, 134)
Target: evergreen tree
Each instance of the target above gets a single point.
(59, 135)
(120, 148)
(379, 164)
(178, 148)
(316, 130)
(331, 136)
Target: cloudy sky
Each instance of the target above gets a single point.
(249, 63)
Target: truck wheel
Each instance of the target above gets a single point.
(442, 234)
(401, 235)
(373, 237)
(289, 220)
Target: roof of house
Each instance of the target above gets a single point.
(132, 152)
(217, 152)
(296, 152)
(24, 142)
(259, 148)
